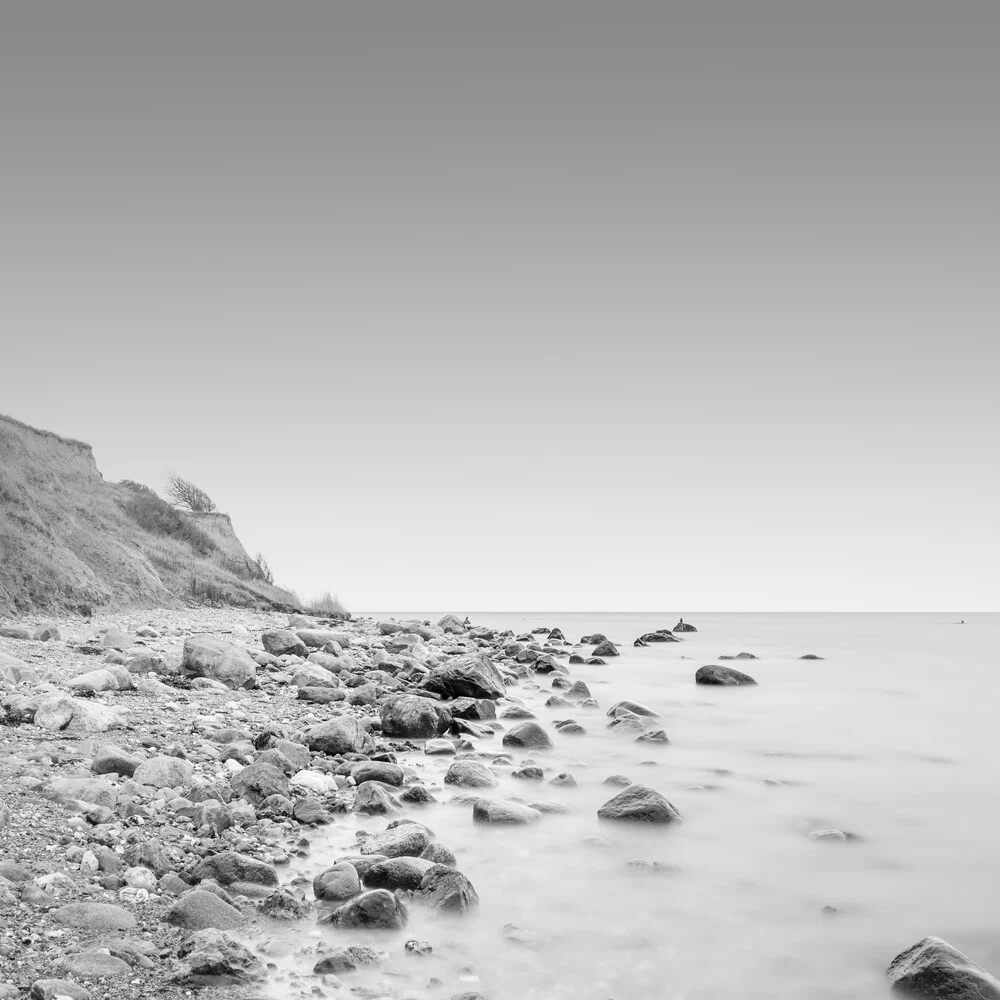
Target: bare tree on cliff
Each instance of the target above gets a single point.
(184, 493)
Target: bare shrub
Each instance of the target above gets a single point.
(185, 494)
(327, 605)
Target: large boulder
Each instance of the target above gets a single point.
(212, 955)
(259, 781)
(219, 660)
(933, 970)
(472, 676)
(683, 626)
(343, 734)
(378, 909)
(317, 638)
(639, 804)
(283, 642)
(453, 624)
(605, 648)
(228, 867)
(398, 873)
(412, 717)
(715, 674)
(94, 917)
(528, 736)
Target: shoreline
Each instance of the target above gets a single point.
(78, 829)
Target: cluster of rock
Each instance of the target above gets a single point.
(182, 833)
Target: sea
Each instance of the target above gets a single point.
(890, 738)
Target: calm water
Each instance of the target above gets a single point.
(891, 736)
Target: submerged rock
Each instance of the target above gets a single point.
(639, 803)
(528, 735)
(714, 674)
(376, 909)
(414, 718)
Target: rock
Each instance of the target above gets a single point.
(397, 873)
(213, 953)
(683, 626)
(377, 770)
(58, 989)
(497, 811)
(322, 695)
(452, 624)
(94, 916)
(14, 632)
(661, 635)
(196, 910)
(605, 648)
(113, 760)
(344, 960)
(374, 798)
(47, 632)
(653, 736)
(439, 854)
(339, 883)
(228, 867)
(407, 840)
(578, 691)
(219, 660)
(312, 675)
(115, 638)
(163, 772)
(516, 712)
(469, 676)
(530, 773)
(639, 803)
(631, 706)
(112, 678)
(477, 709)
(418, 948)
(92, 964)
(317, 638)
(283, 642)
(259, 781)
(933, 970)
(417, 795)
(284, 904)
(440, 748)
(74, 716)
(343, 734)
(810, 656)
(528, 735)
(376, 909)
(447, 890)
(712, 673)
(470, 774)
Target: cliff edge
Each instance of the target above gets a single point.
(70, 541)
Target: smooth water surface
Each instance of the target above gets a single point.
(891, 737)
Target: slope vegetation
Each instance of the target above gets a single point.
(71, 541)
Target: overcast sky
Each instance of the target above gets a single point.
(555, 306)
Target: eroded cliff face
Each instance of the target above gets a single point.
(69, 542)
(219, 527)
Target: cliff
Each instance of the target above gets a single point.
(71, 541)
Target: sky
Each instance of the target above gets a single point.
(525, 306)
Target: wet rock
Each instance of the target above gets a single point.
(219, 660)
(470, 774)
(653, 736)
(339, 883)
(810, 656)
(197, 910)
(439, 854)
(408, 840)
(528, 735)
(343, 734)
(447, 890)
(683, 626)
(374, 798)
(529, 773)
(285, 904)
(639, 803)
(214, 955)
(634, 707)
(714, 674)
(397, 873)
(377, 909)
(417, 795)
(516, 712)
(933, 970)
(378, 770)
(439, 748)
(497, 811)
(466, 677)
(605, 648)
(477, 709)
(345, 960)
(564, 780)
(418, 948)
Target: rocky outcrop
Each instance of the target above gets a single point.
(933, 970)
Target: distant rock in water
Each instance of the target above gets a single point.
(810, 656)
(934, 970)
(606, 648)
(593, 640)
(683, 626)
(660, 635)
(712, 673)
(739, 656)
(639, 804)
(639, 642)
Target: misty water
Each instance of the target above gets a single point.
(890, 737)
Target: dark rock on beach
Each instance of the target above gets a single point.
(717, 675)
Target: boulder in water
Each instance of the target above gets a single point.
(933, 970)
(639, 804)
(712, 673)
